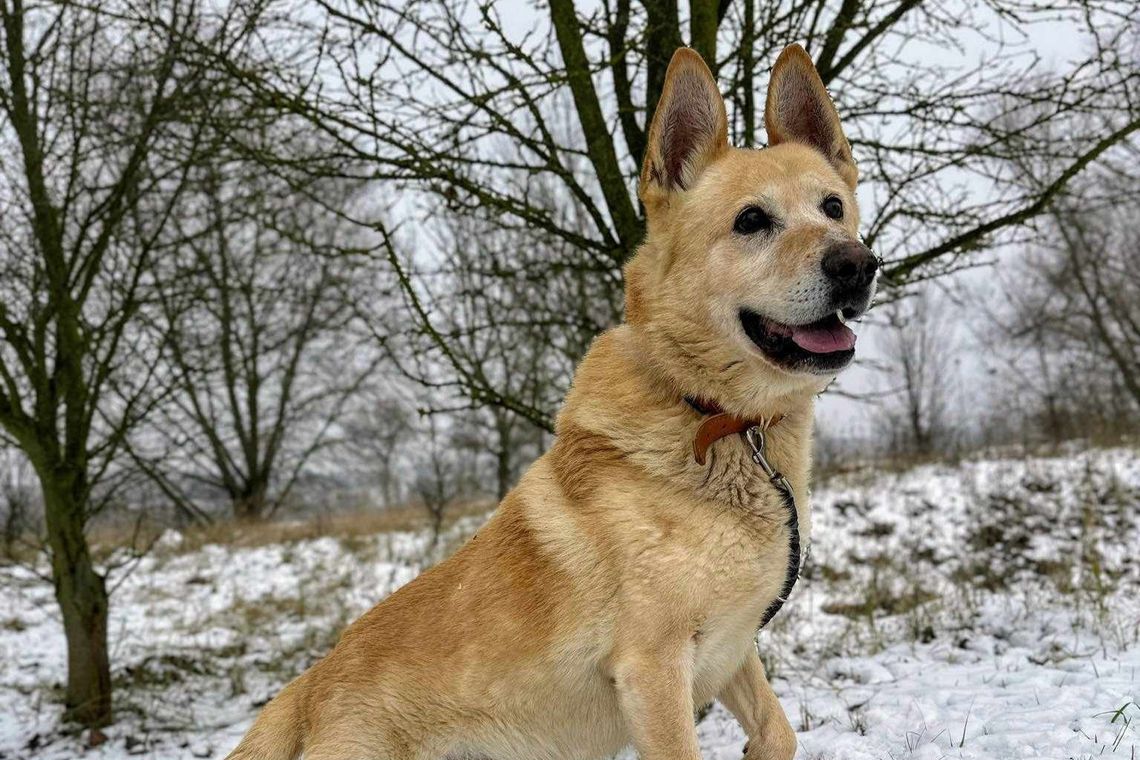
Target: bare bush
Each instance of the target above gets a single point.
(256, 325)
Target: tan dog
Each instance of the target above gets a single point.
(619, 587)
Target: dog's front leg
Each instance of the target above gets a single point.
(654, 681)
(750, 698)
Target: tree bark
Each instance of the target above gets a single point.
(599, 145)
(252, 502)
(627, 112)
(703, 21)
(747, 73)
(82, 596)
(662, 38)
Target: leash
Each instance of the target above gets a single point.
(719, 424)
(755, 438)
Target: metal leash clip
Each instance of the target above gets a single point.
(755, 437)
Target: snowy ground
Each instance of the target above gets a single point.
(987, 610)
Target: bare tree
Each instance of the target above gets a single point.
(256, 319)
(514, 310)
(1076, 309)
(377, 430)
(19, 516)
(919, 349)
(101, 107)
(453, 103)
(85, 97)
(514, 443)
(438, 481)
(517, 322)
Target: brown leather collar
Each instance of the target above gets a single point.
(720, 424)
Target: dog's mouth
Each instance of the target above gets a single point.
(818, 347)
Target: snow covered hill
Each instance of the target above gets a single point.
(989, 609)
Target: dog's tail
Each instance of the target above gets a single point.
(279, 732)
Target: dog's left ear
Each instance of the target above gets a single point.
(689, 130)
(800, 110)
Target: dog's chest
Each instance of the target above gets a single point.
(732, 478)
(739, 580)
(742, 559)
(734, 481)
(734, 566)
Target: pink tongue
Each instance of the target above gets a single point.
(824, 340)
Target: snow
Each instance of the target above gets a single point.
(988, 698)
(987, 609)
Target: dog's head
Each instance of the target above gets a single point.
(752, 263)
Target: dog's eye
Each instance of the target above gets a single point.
(833, 207)
(752, 219)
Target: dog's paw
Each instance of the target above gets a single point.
(776, 742)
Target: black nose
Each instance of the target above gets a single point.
(851, 266)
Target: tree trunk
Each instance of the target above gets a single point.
(252, 502)
(703, 23)
(747, 71)
(387, 484)
(15, 520)
(503, 454)
(436, 511)
(82, 596)
(662, 38)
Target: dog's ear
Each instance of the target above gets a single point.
(689, 128)
(800, 110)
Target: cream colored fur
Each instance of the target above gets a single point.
(618, 587)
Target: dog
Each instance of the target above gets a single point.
(619, 587)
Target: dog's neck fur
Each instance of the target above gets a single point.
(641, 413)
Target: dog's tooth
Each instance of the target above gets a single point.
(842, 319)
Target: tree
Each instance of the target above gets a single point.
(451, 102)
(99, 107)
(255, 320)
(377, 430)
(18, 504)
(444, 473)
(919, 348)
(1076, 307)
(513, 325)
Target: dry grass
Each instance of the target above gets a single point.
(347, 526)
(108, 538)
(871, 464)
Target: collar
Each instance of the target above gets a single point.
(720, 424)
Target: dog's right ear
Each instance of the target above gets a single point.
(689, 130)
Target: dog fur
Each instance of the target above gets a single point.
(618, 587)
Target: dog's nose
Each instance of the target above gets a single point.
(851, 266)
